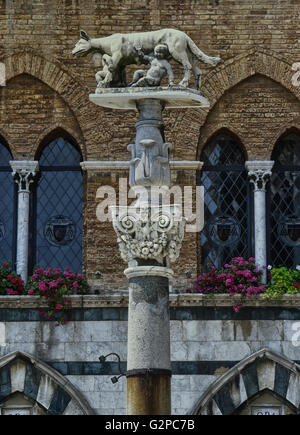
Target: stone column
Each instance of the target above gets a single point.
(148, 361)
(259, 173)
(149, 238)
(24, 173)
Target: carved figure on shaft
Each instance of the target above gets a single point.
(159, 67)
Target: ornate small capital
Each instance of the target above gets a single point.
(259, 173)
(24, 172)
(149, 232)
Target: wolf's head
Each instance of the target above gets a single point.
(83, 46)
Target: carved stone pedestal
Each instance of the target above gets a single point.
(149, 236)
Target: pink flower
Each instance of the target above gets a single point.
(222, 275)
(237, 259)
(38, 270)
(75, 284)
(58, 306)
(30, 292)
(53, 284)
(252, 259)
(10, 291)
(79, 276)
(42, 286)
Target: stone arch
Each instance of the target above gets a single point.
(224, 77)
(21, 372)
(226, 129)
(56, 130)
(5, 142)
(71, 89)
(261, 371)
(293, 127)
(239, 68)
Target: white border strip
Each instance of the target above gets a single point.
(102, 165)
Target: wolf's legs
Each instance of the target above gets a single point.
(197, 74)
(179, 54)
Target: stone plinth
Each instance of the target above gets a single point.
(127, 98)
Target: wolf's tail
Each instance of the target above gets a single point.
(200, 55)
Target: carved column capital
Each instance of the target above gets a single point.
(259, 173)
(24, 172)
(149, 232)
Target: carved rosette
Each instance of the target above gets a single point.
(149, 232)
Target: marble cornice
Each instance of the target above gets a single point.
(119, 300)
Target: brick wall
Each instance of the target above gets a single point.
(250, 92)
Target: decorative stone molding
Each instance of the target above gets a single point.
(173, 98)
(235, 386)
(28, 375)
(259, 173)
(24, 172)
(149, 232)
(120, 300)
(109, 165)
(133, 272)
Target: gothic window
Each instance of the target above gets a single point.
(58, 207)
(7, 208)
(284, 203)
(226, 231)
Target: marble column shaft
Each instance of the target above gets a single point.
(24, 173)
(259, 173)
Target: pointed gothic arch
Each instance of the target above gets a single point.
(283, 212)
(223, 78)
(71, 89)
(226, 232)
(57, 206)
(23, 373)
(8, 206)
(262, 371)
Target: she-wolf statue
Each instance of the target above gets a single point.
(121, 48)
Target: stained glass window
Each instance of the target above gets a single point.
(284, 203)
(226, 232)
(7, 208)
(58, 206)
